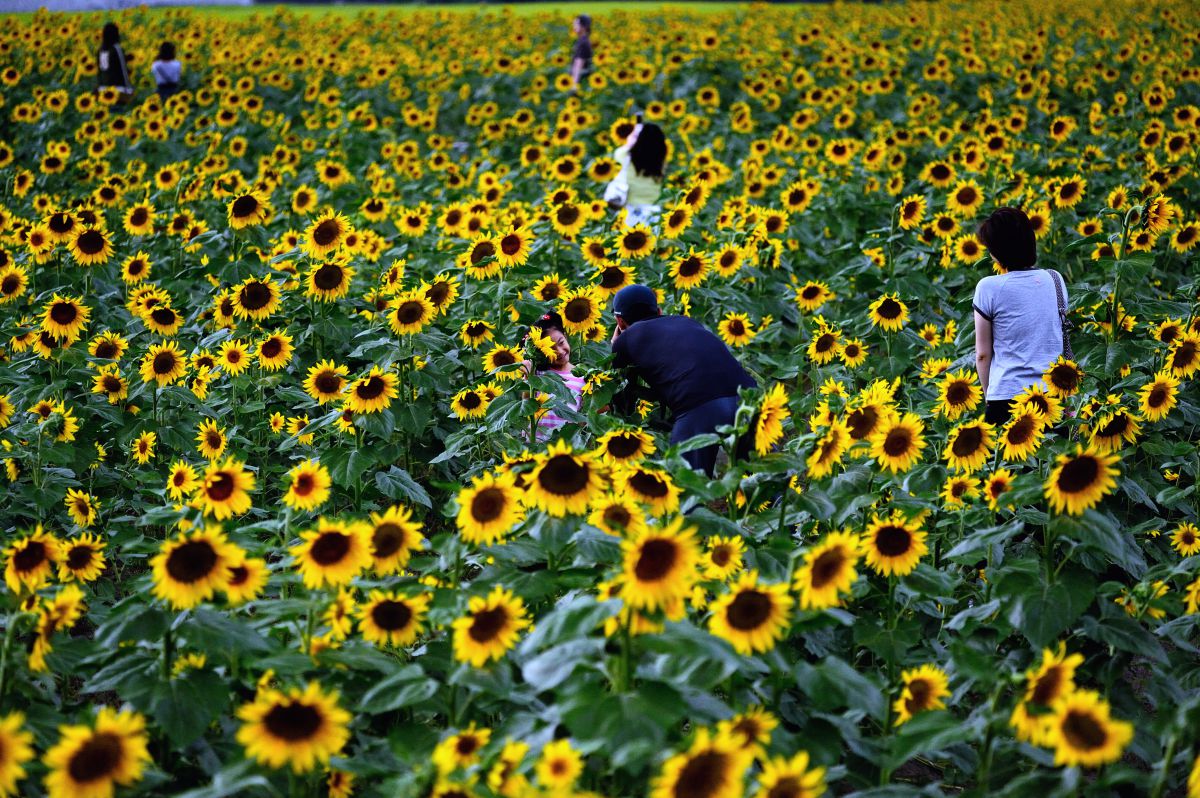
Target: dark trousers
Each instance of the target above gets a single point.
(999, 411)
(701, 421)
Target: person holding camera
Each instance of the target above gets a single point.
(637, 187)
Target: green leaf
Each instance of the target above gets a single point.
(927, 733)
(185, 705)
(1043, 610)
(397, 484)
(236, 780)
(405, 687)
(555, 665)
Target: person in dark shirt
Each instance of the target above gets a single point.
(687, 368)
(111, 69)
(581, 53)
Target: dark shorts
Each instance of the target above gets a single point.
(701, 421)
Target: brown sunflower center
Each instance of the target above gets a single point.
(244, 206)
(649, 485)
(387, 539)
(563, 475)
(293, 721)
(635, 241)
(1047, 687)
(487, 624)
(96, 759)
(165, 362)
(787, 787)
(967, 442)
(898, 442)
(482, 250)
(326, 232)
(163, 316)
(29, 556)
(704, 776)
(63, 313)
(690, 267)
(191, 561)
(749, 610)
(656, 560)
(91, 242)
(373, 388)
(622, 447)
(578, 310)
(328, 277)
(328, 382)
(391, 616)
(827, 567)
(1079, 474)
(892, 540)
(255, 295)
(330, 548)
(410, 312)
(221, 486)
(1082, 731)
(889, 309)
(488, 504)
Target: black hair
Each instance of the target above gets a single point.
(585, 22)
(550, 320)
(640, 312)
(166, 52)
(1009, 237)
(649, 152)
(110, 35)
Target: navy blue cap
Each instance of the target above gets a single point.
(632, 298)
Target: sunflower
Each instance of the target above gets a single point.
(392, 619)
(965, 198)
(300, 728)
(91, 246)
(768, 422)
(16, 748)
(163, 363)
(559, 766)
(248, 210)
(109, 383)
(689, 271)
(81, 558)
(659, 565)
(723, 557)
(308, 486)
(898, 442)
(1112, 430)
(90, 761)
(616, 515)
(373, 392)
(829, 449)
(924, 688)
(889, 313)
(489, 508)
(736, 329)
(411, 311)
(1082, 732)
(828, 571)
(782, 777)
(191, 567)
(210, 440)
(245, 579)
(333, 552)
(326, 234)
(82, 506)
(513, 247)
(581, 308)
(274, 351)
(912, 212)
(712, 767)
(624, 446)
(181, 480)
(958, 489)
(255, 298)
(1022, 436)
(752, 617)
(1063, 378)
(1183, 358)
(812, 295)
(462, 750)
(225, 489)
(563, 481)
(1186, 539)
(65, 317)
(1080, 480)
(893, 545)
(1052, 679)
(475, 332)
(162, 319)
(30, 559)
(636, 242)
(489, 628)
(328, 280)
(958, 393)
(13, 282)
(394, 537)
(326, 381)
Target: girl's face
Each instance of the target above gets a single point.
(562, 350)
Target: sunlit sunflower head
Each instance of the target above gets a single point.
(580, 309)
(392, 619)
(1082, 731)
(1079, 480)
(395, 535)
(225, 489)
(29, 560)
(82, 506)
(1063, 378)
(300, 728)
(751, 616)
(372, 392)
(410, 312)
(489, 508)
(1158, 397)
(636, 242)
(246, 578)
(784, 777)
(712, 767)
(326, 234)
(91, 246)
(329, 279)
(659, 566)
(81, 558)
(274, 351)
(829, 449)
(897, 444)
(768, 421)
(958, 489)
(923, 689)
(308, 486)
(65, 317)
(893, 545)
(332, 552)
(248, 210)
(505, 358)
(616, 515)
(326, 381)
(828, 571)
(722, 557)
(652, 487)
(190, 568)
(563, 481)
(490, 627)
(1112, 430)
(958, 393)
(94, 760)
(1183, 357)
(210, 439)
(255, 298)
(1052, 679)
(626, 445)
(968, 446)
(1185, 539)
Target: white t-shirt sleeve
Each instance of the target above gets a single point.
(985, 299)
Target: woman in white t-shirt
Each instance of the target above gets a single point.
(1018, 327)
(642, 158)
(166, 70)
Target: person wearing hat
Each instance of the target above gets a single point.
(687, 369)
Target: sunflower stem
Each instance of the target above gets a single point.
(783, 503)
(1160, 784)
(10, 626)
(168, 653)
(626, 653)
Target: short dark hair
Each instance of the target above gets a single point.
(166, 52)
(585, 22)
(550, 320)
(110, 35)
(1009, 238)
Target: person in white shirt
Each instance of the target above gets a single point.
(166, 70)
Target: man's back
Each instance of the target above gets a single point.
(684, 363)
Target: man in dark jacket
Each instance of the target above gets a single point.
(685, 367)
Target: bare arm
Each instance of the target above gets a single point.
(983, 350)
(576, 71)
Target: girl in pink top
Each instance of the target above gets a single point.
(551, 325)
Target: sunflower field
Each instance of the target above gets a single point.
(274, 518)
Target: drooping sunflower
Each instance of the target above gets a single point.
(563, 481)
(210, 439)
(81, 558)
(163, 363)
(1082, 731)
(308, 486)
(225, 489)
(896, 445)
(924, 688)
(768, 422)
(889, 313)
(712, 767)
(489, 508)
(650, 486)
(1158, 397)
(16, 748)
(190, 568)
(616, 515)
(299, 728)
(828, 571)
(782, 777)
(372, 392)
(1081, 479)
(829, 449)
(659, 565)
(1052, 679)
(91, 761)
(625, 445)
(65, 317)
(247, 576)
(394, 537)
(332, 552)
(82, 506)
(893, 545)
(489, 628)
(752, 617)
(29, 560)
(392, 619)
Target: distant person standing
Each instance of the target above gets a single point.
(111, 69)
(637, 187)
(581, 53)
(166, 70)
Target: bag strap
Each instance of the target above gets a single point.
(1065, 323)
